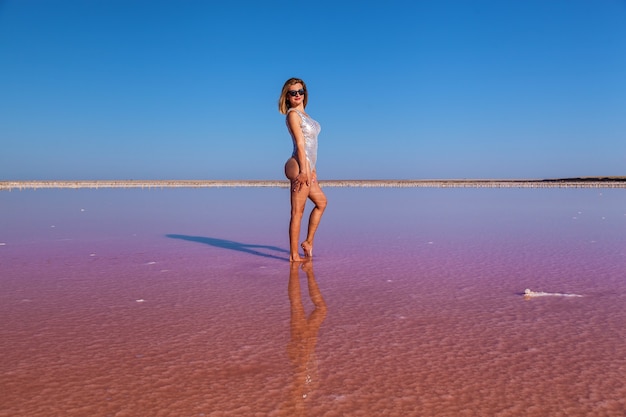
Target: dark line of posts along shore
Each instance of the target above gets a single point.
(582, 182)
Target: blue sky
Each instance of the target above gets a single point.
(130, 89)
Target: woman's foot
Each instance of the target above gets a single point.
(307, 248)
(297, 258)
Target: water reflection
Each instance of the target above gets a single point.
(301, 347)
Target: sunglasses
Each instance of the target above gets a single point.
(294, 93)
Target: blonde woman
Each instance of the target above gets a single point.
(300, 168)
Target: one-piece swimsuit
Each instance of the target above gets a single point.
(310, 130)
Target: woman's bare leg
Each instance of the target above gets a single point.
(299, 193)
(318, 198)
(298, 202)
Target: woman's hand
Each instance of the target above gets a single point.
(301, 180)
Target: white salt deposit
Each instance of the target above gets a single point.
(529, 293)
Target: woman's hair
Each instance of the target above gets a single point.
(283, 102)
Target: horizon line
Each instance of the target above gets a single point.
(578, 182)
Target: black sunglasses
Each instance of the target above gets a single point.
(294, 93)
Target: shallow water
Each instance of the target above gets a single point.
(182, 303)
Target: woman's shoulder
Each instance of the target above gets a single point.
(294, 114)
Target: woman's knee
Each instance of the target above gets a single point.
(297, 211)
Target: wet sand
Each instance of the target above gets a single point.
(126, 302)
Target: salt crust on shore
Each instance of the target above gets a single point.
(610, 182)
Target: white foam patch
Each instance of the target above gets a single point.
(529, 294)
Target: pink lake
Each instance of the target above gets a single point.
(179, 302)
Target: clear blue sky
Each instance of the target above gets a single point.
(133, 89)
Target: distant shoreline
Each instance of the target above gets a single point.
(582, 182)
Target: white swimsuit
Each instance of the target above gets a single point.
(310, 130)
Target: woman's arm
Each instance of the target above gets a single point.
(293, 121)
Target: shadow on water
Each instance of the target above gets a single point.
(232, 245)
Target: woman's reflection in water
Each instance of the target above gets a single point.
(301, 347)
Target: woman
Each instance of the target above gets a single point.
(300, 168)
